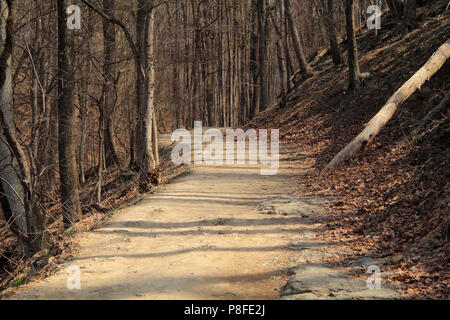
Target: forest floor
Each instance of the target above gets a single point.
(222, 232)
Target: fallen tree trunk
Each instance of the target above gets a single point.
(436, 61)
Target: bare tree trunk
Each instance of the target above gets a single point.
(84, 112)
(331, 30)
(253, 57)
(409, 16)
(109, 34)
(262, 57)
(393, 8)
(282, 73)
(281, 67)
(352, 45)
(296, 41)
(283, 35)
(385, 114)
(155, 140)
(101, 153)
(66, 125)
(85, 104)
(145, 159)
(151, 84)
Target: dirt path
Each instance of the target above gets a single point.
(223, 232)
(200, 237)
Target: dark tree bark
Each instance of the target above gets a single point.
(409, 15)
(404, 11)
(84, 113)
(394, 9)
(281, 67)
(254, 66)
(331, 30)
(296, 41)
(352, 46)
(283, 35)
(66, 125)
(109, 34)
(261, 56)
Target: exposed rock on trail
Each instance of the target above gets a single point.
(287, 206)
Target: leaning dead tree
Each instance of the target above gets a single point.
(385, 114)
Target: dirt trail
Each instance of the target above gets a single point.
(222, 232)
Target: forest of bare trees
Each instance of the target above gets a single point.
(78, 102)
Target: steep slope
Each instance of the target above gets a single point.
(395, 193)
